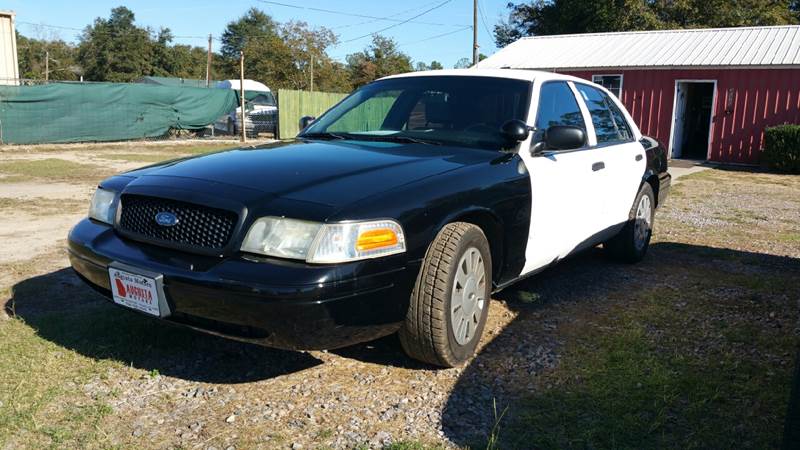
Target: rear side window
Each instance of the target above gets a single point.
(609, 123)
(557, 106)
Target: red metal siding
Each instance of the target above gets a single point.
(762, 98)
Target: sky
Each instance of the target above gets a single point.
(443, 34)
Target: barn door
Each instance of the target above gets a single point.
(678, 120)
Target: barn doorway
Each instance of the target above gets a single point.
(691, 127)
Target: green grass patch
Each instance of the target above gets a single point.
(158, 154)
(650, 374)
(42, 404)
(42, 205)
(52, 169)
(136, 157)
(788, 237)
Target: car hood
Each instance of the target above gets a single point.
(321, 172)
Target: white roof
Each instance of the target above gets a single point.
(711, 47)
(249, 85)
(525, 75)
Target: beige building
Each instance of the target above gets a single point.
(9, 66)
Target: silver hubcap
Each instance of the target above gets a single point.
(642, 226)
(469, 296)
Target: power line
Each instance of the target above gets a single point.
(352, 14)
(483, 19)
(81, 30)
(390, 17)
(435, 37)
(399, 23)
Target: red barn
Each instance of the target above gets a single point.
(706, 93)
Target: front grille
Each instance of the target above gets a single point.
(198, 226)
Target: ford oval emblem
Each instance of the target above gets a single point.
(166, 219)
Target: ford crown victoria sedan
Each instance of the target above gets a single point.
(399, 210)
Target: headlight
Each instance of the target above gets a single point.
(284, 238)
(104, 206)
(324, 243)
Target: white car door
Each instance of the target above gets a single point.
(623, 155)
(566, 186)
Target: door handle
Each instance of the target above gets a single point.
(600, 165)
(638, 157)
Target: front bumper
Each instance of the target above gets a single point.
(277, 303)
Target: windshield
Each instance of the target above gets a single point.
(262, 99)
(453, 110)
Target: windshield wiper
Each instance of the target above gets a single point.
(394, 138)
(324, 135)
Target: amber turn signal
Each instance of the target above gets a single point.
(376, 238)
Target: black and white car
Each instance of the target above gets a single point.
(401, 209)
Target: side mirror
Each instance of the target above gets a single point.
(305, 121)
(564, 137)
(515, 130)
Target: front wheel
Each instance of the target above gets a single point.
(450, 301)
(632, 242)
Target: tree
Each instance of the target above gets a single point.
(252, 26)
(463, 63)
(435, 65)
(280, 54)
(32, 53)
(546, 17)
(381, 58)
(115, 49)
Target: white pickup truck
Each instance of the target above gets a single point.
(261, 109)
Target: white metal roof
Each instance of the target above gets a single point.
(711, 47)
(525, 75)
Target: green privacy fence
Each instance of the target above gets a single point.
(292, 105)
(368, 116)
(86, 112)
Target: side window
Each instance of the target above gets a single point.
(558, 106)
(609, 123)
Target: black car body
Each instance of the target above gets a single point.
(204, 280)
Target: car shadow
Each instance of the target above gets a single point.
(63, 310)
(504, 372)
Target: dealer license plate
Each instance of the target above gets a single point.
(134, 291)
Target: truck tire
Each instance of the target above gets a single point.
(450, 300)
(631, 243)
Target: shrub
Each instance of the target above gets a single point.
(782, 148)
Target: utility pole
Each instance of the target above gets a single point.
(208, 63)
(242, 127)
(312, 73)
(46, 66)
(474, 32)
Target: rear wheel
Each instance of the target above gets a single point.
(450, 301)
(632, 242)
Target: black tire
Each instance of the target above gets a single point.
(428, 333)
(626, 246)
(231, 127)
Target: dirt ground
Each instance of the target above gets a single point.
(76, 371)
